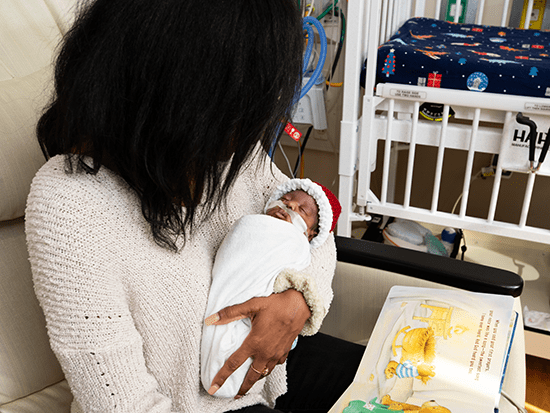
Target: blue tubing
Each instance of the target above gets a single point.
(323, 39)
(309, 48)
(307, 25)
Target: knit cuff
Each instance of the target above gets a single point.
(303, 283)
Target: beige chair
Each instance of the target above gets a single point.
(31, 379)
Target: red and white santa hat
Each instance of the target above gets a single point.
(328, 204)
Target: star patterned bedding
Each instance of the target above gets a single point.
(435, 53)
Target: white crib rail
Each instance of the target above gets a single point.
(370, 23)
(472, 139)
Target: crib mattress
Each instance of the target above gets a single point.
(436, 53)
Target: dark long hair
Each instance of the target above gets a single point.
(166, 92)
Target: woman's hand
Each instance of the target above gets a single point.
(276, 322)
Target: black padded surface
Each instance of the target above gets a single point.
(442, 270)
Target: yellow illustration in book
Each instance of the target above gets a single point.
(426, 353)
(417, 354)
(427, 407)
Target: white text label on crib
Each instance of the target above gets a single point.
(407, 94)
(540, 107)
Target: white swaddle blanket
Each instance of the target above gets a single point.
(253, 253)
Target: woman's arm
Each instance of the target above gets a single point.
(89, 323)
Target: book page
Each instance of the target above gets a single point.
(441, 350)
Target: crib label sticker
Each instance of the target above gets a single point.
(407, 94)
(515, 157)
(539, 107)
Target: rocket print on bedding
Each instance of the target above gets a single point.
(435, 53)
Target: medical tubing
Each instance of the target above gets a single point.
(307, 56)
(327, 10)
(544, 149)
(524, 120)
(340, 43)
(309, 48)
(307, 22)
(301, 149)
(322, 57)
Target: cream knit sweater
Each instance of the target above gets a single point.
(125, 316)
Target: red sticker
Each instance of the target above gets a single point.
(293, 132)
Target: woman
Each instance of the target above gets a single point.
(155, 140)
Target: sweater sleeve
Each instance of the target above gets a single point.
(314, 282)
(87, 313)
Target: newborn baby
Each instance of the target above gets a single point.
(254, 253)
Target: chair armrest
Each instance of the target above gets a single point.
(442, 270)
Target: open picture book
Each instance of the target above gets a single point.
(434, 351)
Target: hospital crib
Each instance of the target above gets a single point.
(396, 162)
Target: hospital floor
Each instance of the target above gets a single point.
(538, 385)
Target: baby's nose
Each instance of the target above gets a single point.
(292, 205)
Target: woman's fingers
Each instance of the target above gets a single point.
(232, 363)
(259, 369)
(255, 373)
(233, 313)
(276, 321)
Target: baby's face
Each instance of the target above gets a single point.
(304, 205)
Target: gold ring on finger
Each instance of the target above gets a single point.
(262, 373)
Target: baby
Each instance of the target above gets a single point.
(254, 252)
